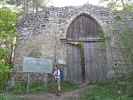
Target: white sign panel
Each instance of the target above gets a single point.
(37, 65)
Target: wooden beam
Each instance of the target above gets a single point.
(89, 39)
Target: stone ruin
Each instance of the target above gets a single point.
(43, 33)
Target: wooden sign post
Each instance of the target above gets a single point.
(39, 65)
(28, 82)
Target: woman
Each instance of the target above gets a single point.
(57, 74)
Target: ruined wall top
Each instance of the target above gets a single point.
(62, 17)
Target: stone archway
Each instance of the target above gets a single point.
(86, 52)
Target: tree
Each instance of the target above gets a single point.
(39, 3)
(11, 2)
(26, 4)
(32, 4)
(118, 4)
(8, 34)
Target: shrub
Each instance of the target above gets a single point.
(4, 75)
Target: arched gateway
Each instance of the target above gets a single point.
(86, 50)
(88, 57)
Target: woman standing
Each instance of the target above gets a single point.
(57, 77)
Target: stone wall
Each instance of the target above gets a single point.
(40, 33)
(120, 54)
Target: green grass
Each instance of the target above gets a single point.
(10, 97)
(116, 89)
(21, 88)
(108, 91)
(65, 87)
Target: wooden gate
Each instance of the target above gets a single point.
(73, 63)
(95, 61)
(86, 55)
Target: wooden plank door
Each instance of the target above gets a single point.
(95, 61)
(73, 64)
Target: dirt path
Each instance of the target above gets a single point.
(74, 95)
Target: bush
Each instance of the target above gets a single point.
(4, 75)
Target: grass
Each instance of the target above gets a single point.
(117, 89)
(21, 88)
(65, 87)
(112, 90)
(10, 97)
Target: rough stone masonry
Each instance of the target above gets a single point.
(41, 32)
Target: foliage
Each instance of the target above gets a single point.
(4, 75)
(7, 24)
(12, 2)
(3, 55)
(40, 3)
(7, 42)
(7, 33)
(25, 5)
(119, 4)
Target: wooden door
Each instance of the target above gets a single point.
(95, 61)
(93, 68)
(74, 73)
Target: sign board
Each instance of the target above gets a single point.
(37, 65)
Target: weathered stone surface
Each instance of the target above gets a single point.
(43, 31)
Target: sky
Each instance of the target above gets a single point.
(61, 3)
